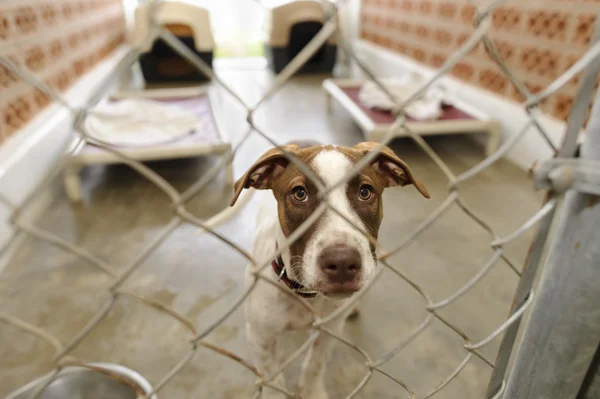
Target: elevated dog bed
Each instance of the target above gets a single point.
(456, 116)
(289, 27)
(158, 61)
(205, 138)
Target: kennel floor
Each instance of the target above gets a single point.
(201, 277)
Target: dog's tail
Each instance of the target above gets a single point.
(229, 211)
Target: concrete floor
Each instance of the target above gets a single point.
(200, 277)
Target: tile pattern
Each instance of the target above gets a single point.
(538, 39)
(59, 40)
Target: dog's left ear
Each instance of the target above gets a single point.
(395, 170)
(260, 175)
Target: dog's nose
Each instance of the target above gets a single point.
(340, 262)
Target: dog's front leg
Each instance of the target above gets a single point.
(263, 344)
(312, 380)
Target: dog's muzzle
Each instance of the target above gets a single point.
(341, 266)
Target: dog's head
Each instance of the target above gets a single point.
(331, 257)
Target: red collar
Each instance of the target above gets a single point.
(299, 289)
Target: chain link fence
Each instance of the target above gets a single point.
(524, 296)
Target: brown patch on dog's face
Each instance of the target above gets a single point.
(293, 209)
(358, 200)
(368, 207)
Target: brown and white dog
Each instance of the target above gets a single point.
(329, 263)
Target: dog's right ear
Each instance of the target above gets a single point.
(260, 175)
(395, 170)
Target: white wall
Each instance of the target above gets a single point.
(350, 19)
(27, 155)
(234, 21)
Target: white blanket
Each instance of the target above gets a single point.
(427, 107)
(139, 122)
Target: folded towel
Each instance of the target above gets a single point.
(139, 122)
(426, 107)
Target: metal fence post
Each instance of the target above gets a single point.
(569, 147)
(563, 331)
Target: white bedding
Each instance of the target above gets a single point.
(427, 107)
(139, 122)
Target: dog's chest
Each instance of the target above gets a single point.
(294, 316)
(297, 316)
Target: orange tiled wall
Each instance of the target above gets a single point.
(539, 39)
(59, 40)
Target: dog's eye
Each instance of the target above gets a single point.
(365, 192)
(300, 194)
